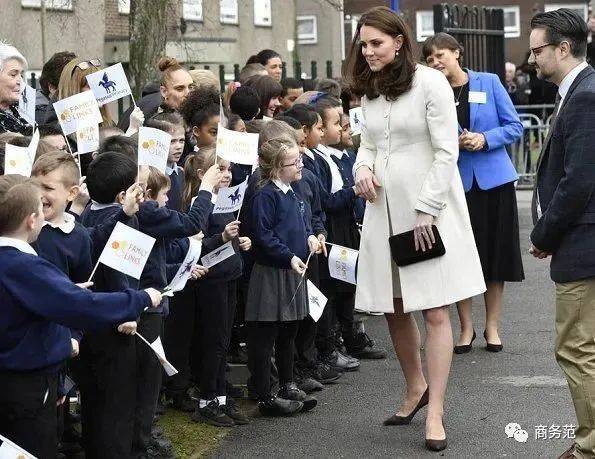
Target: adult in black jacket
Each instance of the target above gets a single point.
(564, 206)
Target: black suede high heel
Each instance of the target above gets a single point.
(396, 420)
(464, 348)
(491, 347)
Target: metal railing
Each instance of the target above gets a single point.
(525, 152)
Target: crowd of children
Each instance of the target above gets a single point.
(252, 307)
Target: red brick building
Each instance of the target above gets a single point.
(517, 17)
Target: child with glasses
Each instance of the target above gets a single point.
(277, 298)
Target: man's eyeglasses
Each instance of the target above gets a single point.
(537, 48)
(297, 163)
(84, 65)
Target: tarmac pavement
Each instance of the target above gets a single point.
(486, 392)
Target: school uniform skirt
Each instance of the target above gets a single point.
(495, 223)
(276, 295)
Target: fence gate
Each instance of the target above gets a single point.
(481, 32)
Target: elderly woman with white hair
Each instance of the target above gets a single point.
(12, 68)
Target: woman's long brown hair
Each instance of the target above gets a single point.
(395, 78)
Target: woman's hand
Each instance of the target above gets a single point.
(472, 141)
(298, 265)
(422, 232)
(366, 183)
(232, 230)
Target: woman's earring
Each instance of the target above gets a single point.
(396, 53)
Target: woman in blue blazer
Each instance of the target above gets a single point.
(488, 122)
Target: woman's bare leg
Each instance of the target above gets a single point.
(438, 357)
(464, 308)
(493, 299)
(406, 341)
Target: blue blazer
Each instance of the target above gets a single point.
(499, 122)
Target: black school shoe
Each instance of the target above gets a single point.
(162, 446)
(212, 414)
(323, 373)
(277, 406)
(231, 410)
(360, 345)
(183, 402)
(306, 382)
(290, 391)
(341, 362)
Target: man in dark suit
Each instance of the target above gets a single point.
(564, 206)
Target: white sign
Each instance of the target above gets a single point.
(342, 262)
(9, 450)
(127, 250)
(157, 346)
(76, 111)
(27, 104)
(19, 160)
(230, 199)
(185, 269)
(109, 84)
(218, 255)
(237, 147)
(87, 139)
(153, 147)
(316, 301)
(356, 120)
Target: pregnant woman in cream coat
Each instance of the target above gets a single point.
(406, 168)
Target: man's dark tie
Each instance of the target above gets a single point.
(556, 108)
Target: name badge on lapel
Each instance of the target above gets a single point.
(477, 97)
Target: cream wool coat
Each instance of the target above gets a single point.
(411, 145)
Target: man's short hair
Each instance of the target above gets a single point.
(19, 198)
(563, 25)
(54, 160)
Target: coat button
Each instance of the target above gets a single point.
(386, 114)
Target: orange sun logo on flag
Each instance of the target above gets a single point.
(119, 246)
(343, 254)
(65, 115)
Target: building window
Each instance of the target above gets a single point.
(192, 10)
(580, 8)
(49, 4)
(124, 6)
(307, 30)
(424, 24)
(262, 13)
(228, 13)
(512, 21)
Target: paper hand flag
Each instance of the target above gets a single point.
(342, 263)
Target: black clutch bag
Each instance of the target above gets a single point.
(402, 248)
